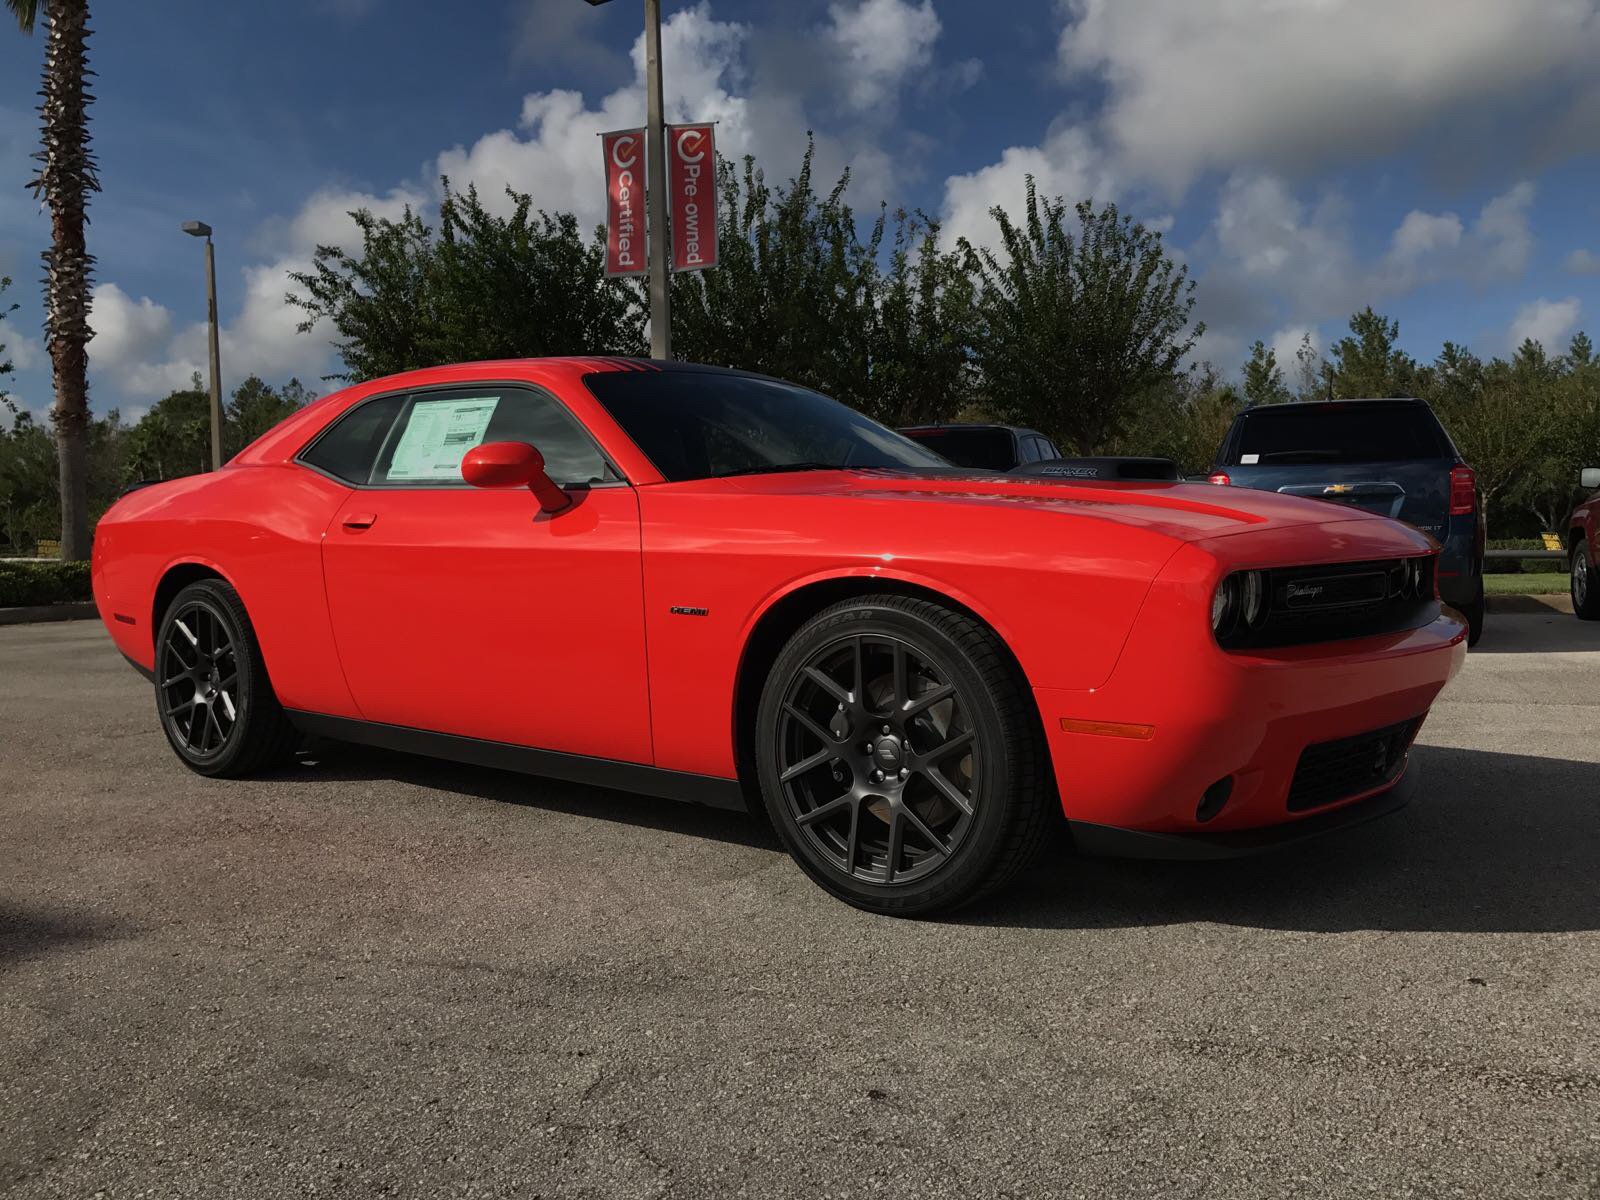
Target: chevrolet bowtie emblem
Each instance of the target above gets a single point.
(1336, 489)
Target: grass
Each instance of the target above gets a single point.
(1544, 584)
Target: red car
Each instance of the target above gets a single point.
(719, 587)
(1583, 548)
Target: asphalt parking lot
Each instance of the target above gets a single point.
(379, 975)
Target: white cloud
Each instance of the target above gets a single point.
(1291, 85)
(127, 332)
(554, 153)
(1582, 262)
(24, 352)
(1547, 322)
(1271, 255)
(1422, 234)
(1067, 164)
(879, 44)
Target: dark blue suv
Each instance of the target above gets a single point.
(1390, 457)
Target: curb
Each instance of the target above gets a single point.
(1542, 605)
(81, 610)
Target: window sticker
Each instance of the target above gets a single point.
(438, 435)
(1249, 459)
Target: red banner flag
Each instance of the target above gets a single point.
(692, 156)
(625, 239)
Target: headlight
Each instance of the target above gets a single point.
(1224, 605)
(1254, 602)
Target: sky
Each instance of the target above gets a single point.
(1433, 158)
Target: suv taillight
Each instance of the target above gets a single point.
(1463, 491)
(1219, 478)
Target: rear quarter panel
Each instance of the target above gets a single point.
(260, 528)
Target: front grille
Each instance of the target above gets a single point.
(1332, 771)
(1323, 603)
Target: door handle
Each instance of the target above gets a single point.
(359, 520)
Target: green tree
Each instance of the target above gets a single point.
(477, 286)
(922, 368)
(1263, 381)
(1075, 326)
(174, 437)
(256, 407)
(66, 177)
(1367, 364)
(1184, 419)
(793, 293)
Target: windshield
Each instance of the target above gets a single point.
(1337, 433)
(985, 449)
(704, 424)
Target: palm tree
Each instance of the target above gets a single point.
(65, 179)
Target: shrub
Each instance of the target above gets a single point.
(42, 581)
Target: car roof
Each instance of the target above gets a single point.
(964, 426)
(1296, 405)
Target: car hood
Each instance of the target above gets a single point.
(1185, 511)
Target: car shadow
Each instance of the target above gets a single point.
(1494, 843)
(32, 933)
(335, 761)
(1537, 632)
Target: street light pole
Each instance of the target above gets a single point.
(201, 229)
(656, 181)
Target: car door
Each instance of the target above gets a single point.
(473, 612)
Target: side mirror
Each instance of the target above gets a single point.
(1589, 477)
(513, 464)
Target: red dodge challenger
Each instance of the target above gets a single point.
(714, 586)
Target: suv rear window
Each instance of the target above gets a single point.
(1337, 433)
(983, 449)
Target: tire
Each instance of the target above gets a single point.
(900, 757)
(213, 698)
(1473, 612)
(1585, 583)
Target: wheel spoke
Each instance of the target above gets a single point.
(939, 753)
(852, 845)
(194, 720)
(947, 789)
(816, 731)
(927, 700)
(212, 723)
(921, 826)
(831, 808)
(826, 754)
(187, 633)
(902, 689)
(176, 679)
(897, 840)
(858, 655)
(828, 685)
(227, 706)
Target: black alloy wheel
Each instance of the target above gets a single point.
(877, 760)
(198, 681)
(900, 756)
(1585, 584)
(216, 704)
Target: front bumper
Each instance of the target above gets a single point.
(1208, 715)
(1195, 847)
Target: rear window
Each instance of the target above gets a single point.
(1337, 433)
(984, 449)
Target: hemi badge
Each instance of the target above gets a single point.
(1141, 733)
(685, 610)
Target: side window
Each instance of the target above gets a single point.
(351, 446)
(426, 445)
(1048, 449)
